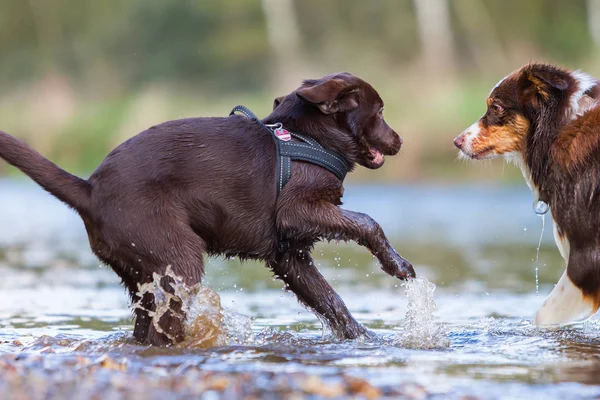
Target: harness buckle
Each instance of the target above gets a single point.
(272, 127)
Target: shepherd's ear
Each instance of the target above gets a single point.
(331, 96)
(277, 102)
(535, 86)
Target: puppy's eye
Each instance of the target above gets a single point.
(380, 112)
(497, 109)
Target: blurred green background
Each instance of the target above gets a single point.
(79, 77)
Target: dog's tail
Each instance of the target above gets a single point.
(72, 190)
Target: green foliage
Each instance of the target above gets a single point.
(88, 137)
(181, 41)
(223, 44)
(201, 57)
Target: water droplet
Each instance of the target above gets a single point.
(540, 207)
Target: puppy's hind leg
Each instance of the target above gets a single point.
(300, 275)
(155, 323)
(184, 253)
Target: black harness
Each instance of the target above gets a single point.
(305, 149)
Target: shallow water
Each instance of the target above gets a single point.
(65, 323)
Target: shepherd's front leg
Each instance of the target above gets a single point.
(334, 223)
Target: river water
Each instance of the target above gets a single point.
(65, 323)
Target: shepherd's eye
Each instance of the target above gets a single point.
(380, 112)
(497, 109)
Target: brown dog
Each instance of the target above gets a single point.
(547, 120)
(207, 185)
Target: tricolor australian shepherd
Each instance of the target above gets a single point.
(547, 121)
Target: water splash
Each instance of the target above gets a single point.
(420, 330)
(207, 322)
(537, 255)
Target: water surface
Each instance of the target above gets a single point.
(65, 323)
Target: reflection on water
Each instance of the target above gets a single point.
(65, 324)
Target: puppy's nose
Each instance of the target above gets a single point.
(459, 141)
(394, 147)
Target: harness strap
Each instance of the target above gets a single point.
(306, 149)
(249, 114)
(315, 155)
(284, 172)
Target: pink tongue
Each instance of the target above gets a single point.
(377, 156)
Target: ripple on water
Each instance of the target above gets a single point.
(66, 328)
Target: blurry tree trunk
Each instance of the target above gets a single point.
(593, 20)
(481, 35)
(284, 39)
(435, 34)
(48, 30)
(54, 100)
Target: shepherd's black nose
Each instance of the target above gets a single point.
(459, 141)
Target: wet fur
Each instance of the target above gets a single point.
(559, 152)
(197, 186)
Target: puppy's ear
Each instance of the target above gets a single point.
(331, 96)
(538, 86)
(277, 102)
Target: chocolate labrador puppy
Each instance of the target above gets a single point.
(189, 187)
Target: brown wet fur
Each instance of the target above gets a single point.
(197, 186)
(561, 149)
(578, 141)
(503, 127)
(502, 139)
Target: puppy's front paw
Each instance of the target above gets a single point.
(403, 268)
